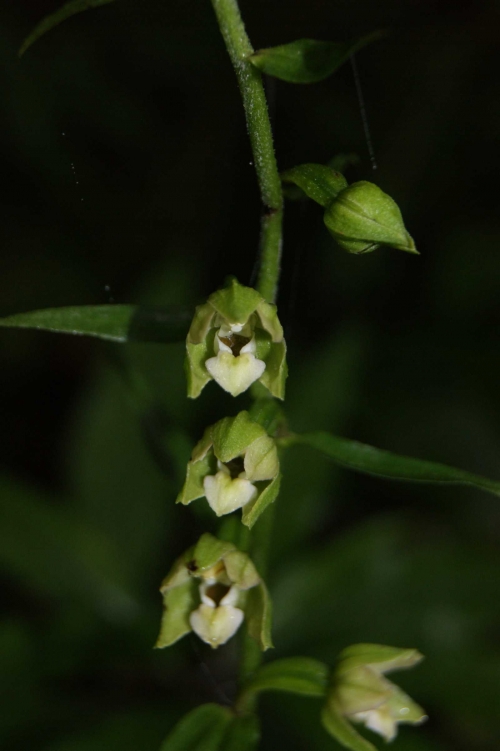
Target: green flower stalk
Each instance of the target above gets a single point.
(207, 591)
(236, 339)
(361, 693)
(235, 465)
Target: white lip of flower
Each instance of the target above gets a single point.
(216, 622)
(379, 720)
(234, 373)
(225, 494)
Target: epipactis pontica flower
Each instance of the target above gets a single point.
(236, 339)
(235, 465)
(210, 590)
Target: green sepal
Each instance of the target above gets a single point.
(233, 435)
(178, 603)
(362, 217)
(235, 303)
(258, 614)
(252, 511)
(197, 375)
(274, 355)
(319, 182)
(178, 574)
(241, 570)
(203, 446)
(297, 675)
(340, 729)
(203, 729)
(402, 705)
(268, 315)
(307, 60)
(380, 657)
(360, 689)
(201, 323)
(195, 474)
(261, 460)
(209, 550)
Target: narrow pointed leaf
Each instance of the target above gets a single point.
(307, 60)
(54, 19)
(203, 729)
(117, 323)
(373, 461)
(317, 181)
(297, 675)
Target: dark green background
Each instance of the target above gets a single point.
(126, 177)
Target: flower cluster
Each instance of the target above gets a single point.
(236, 339)
(235, 465)
(209, 590)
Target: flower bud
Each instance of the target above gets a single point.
(235, 465)
(360, 693)
(362, 217)
(236, 339)
(206, 592)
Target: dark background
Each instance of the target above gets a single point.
(126, 177)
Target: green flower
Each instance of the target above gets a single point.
(362, 217)
(235, 465)
(210, 590)
(236, 339)
(361, 693)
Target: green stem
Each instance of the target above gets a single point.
(261, 139)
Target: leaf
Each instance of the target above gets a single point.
(54, 19)
(338, 727)
(373, 461)
(243, 734)
(116, 323)
(298, 675)
(307, 60)
(203, 729)
(317, 181)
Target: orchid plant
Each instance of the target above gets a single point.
(217, 589)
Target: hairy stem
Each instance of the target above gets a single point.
(261, 138)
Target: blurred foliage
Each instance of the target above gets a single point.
(126, 177)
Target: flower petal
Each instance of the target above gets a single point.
(235, 374)
(216, 626)
(225, 495)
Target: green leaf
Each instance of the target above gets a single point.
(338, 727)
(54, 19)
(373, 461)
(243, 734)
(298, 675)
(203, 729)
(307, 60)
(317, 181)
(116, 323)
